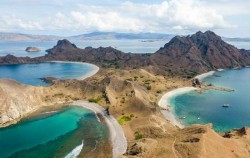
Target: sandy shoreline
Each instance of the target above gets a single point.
(93, 72)
(204, 75)
(164, 102)
(118, 139)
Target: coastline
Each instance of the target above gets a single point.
(93, 72)
(164, 103)
(204, 75)
(118, 139)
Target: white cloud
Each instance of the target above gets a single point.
(167, 16)
(12, 22)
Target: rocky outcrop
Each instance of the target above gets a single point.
(11, 59)
(17, 100)
(200, 52)
(32, 49)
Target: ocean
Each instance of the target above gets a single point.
(133, 46)
(31, 73)
(207, 107)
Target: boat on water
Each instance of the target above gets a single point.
(225, 105)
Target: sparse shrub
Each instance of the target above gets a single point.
(138, 135)
(58, 95)
(93, 100)
(124, 119)
(148, 87)
(158, 91)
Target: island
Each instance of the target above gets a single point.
(130, 86)
(32, 49)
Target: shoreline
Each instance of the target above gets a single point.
(205, 75)
(164, 103)
(90, 74)
(117, 136)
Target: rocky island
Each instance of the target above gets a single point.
(131, 86)
(32, 49)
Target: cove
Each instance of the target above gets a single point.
(31, 73)
(207, 107)
(53, 134)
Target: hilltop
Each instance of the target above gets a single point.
(183, 56)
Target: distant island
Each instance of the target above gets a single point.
(144, 37)
(32, 49)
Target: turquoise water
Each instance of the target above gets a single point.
(31, 73)
(52, 134)
(208, 105)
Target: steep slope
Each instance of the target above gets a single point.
(182, 56)
(104, 57)
(200, 52)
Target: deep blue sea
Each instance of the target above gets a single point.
(133, 46)
(47, 135)
(31, 73)
(208, 105)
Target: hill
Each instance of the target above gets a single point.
(184, 56)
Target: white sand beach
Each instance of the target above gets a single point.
(164, 102)
(117, 136)
(93, 72)
(204, 75)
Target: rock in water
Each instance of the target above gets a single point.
(32, 49)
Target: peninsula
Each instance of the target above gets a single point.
(131, 86)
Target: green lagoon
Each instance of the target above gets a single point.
(61, 133)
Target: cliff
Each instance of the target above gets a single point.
(200, 52)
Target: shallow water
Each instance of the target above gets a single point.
(208, 105)
(31, 73)
(52, 135)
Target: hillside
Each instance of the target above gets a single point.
(200, 52)
(182, 56)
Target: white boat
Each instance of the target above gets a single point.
(225, 105)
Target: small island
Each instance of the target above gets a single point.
(32, 49)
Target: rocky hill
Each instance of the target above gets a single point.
(200, 52)
(185, 56)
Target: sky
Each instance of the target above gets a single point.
(228, 18)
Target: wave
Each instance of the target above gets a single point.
(97, 117)
(75, 152)
(50, 112)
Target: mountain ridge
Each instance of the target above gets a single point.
(182, 55)
(12, 36)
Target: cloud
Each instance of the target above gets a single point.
(12, 22)
(170, 15)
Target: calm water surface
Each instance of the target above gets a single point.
(52, 134)
(31, 73)
(208, 105)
